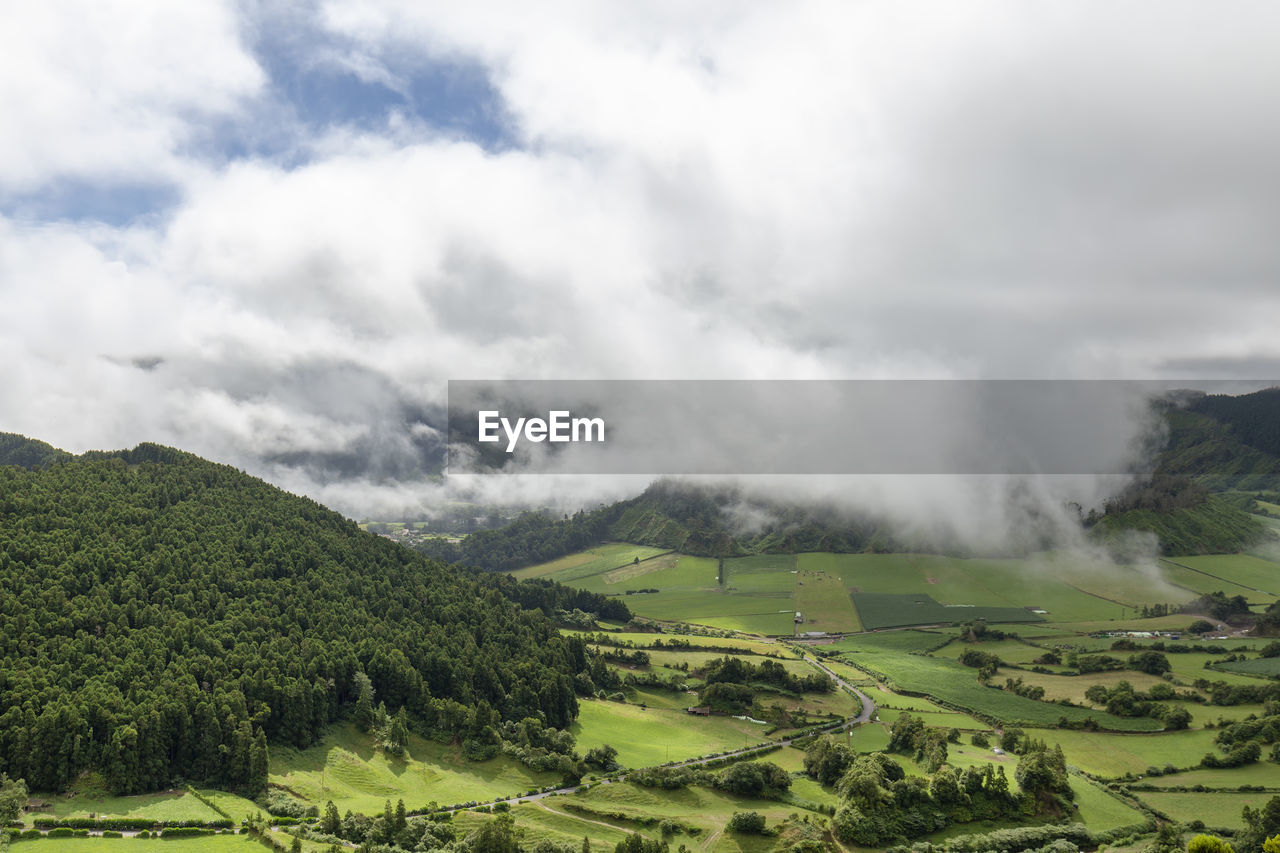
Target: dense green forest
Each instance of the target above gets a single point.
(165, 617)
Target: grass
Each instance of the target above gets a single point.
(893, 610)
(1241, 569)
(165, 805)
(950, 682)
(1269, 667)
(900, 641)
(1100, 810)
(825, 603)
(1010, 651)
(238, 807)
(594, 561)
(345, 768)
(1073, 687)
(1111, 755)
(1261, 773)
(1040, 582)
(202, 844)
(1215, 809)
(644, 737)
(640, 640)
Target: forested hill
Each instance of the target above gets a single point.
(669, 514)
(166, 617)
(1226, 442)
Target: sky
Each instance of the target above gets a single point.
(269, 233)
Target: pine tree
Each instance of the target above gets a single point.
(364, 702)
(259, 762)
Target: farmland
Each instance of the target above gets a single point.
(702, 609)
(841, 593)
(347, 769)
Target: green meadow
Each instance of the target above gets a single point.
(950, 682)
(1215, 809)
(346, 768)
(647, 736)
(97, 844)
(164, 805)
(591, 562)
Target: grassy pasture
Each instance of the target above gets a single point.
(1241, 569)
(1100, 810)
(1199, 582)
(901, 641)
(1269, 667)
(644, 639)
(238, 807)
(97, 844)
(1190, 666)
(1068, 588)
(345, 768)
(955, 684)
(1215, 809)
(548, 821)
(1073, 687)
(644, 737)
(825, 603)
(165, 805)
(1109, 755)
(892, 610)
(1009, 651)
(594, 561)
(1262, 773)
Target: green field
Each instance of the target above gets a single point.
(1108, 755)
(1261, 773)
(893, 610)
(825, 604)
(594, 561)
(1268, 667)
(643, 640)
(1009, 651)
(900, 641)
(204, 844)
(644, 737)
(166, 805)
(1069, 588)
(345, 768)
(1100, 810)
(1215, 809)
(1073, 687)
(955, 684)
(1252, 573)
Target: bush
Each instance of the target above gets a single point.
(184, 831)
(747, 822)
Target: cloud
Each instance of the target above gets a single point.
(117, 90)
(718, 190)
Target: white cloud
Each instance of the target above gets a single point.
(727, 189)
(115, 89)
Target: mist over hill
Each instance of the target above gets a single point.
(1207, 444)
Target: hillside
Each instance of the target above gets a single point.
(164, 617)
(1225, 442)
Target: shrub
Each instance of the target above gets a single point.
(747, 822)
